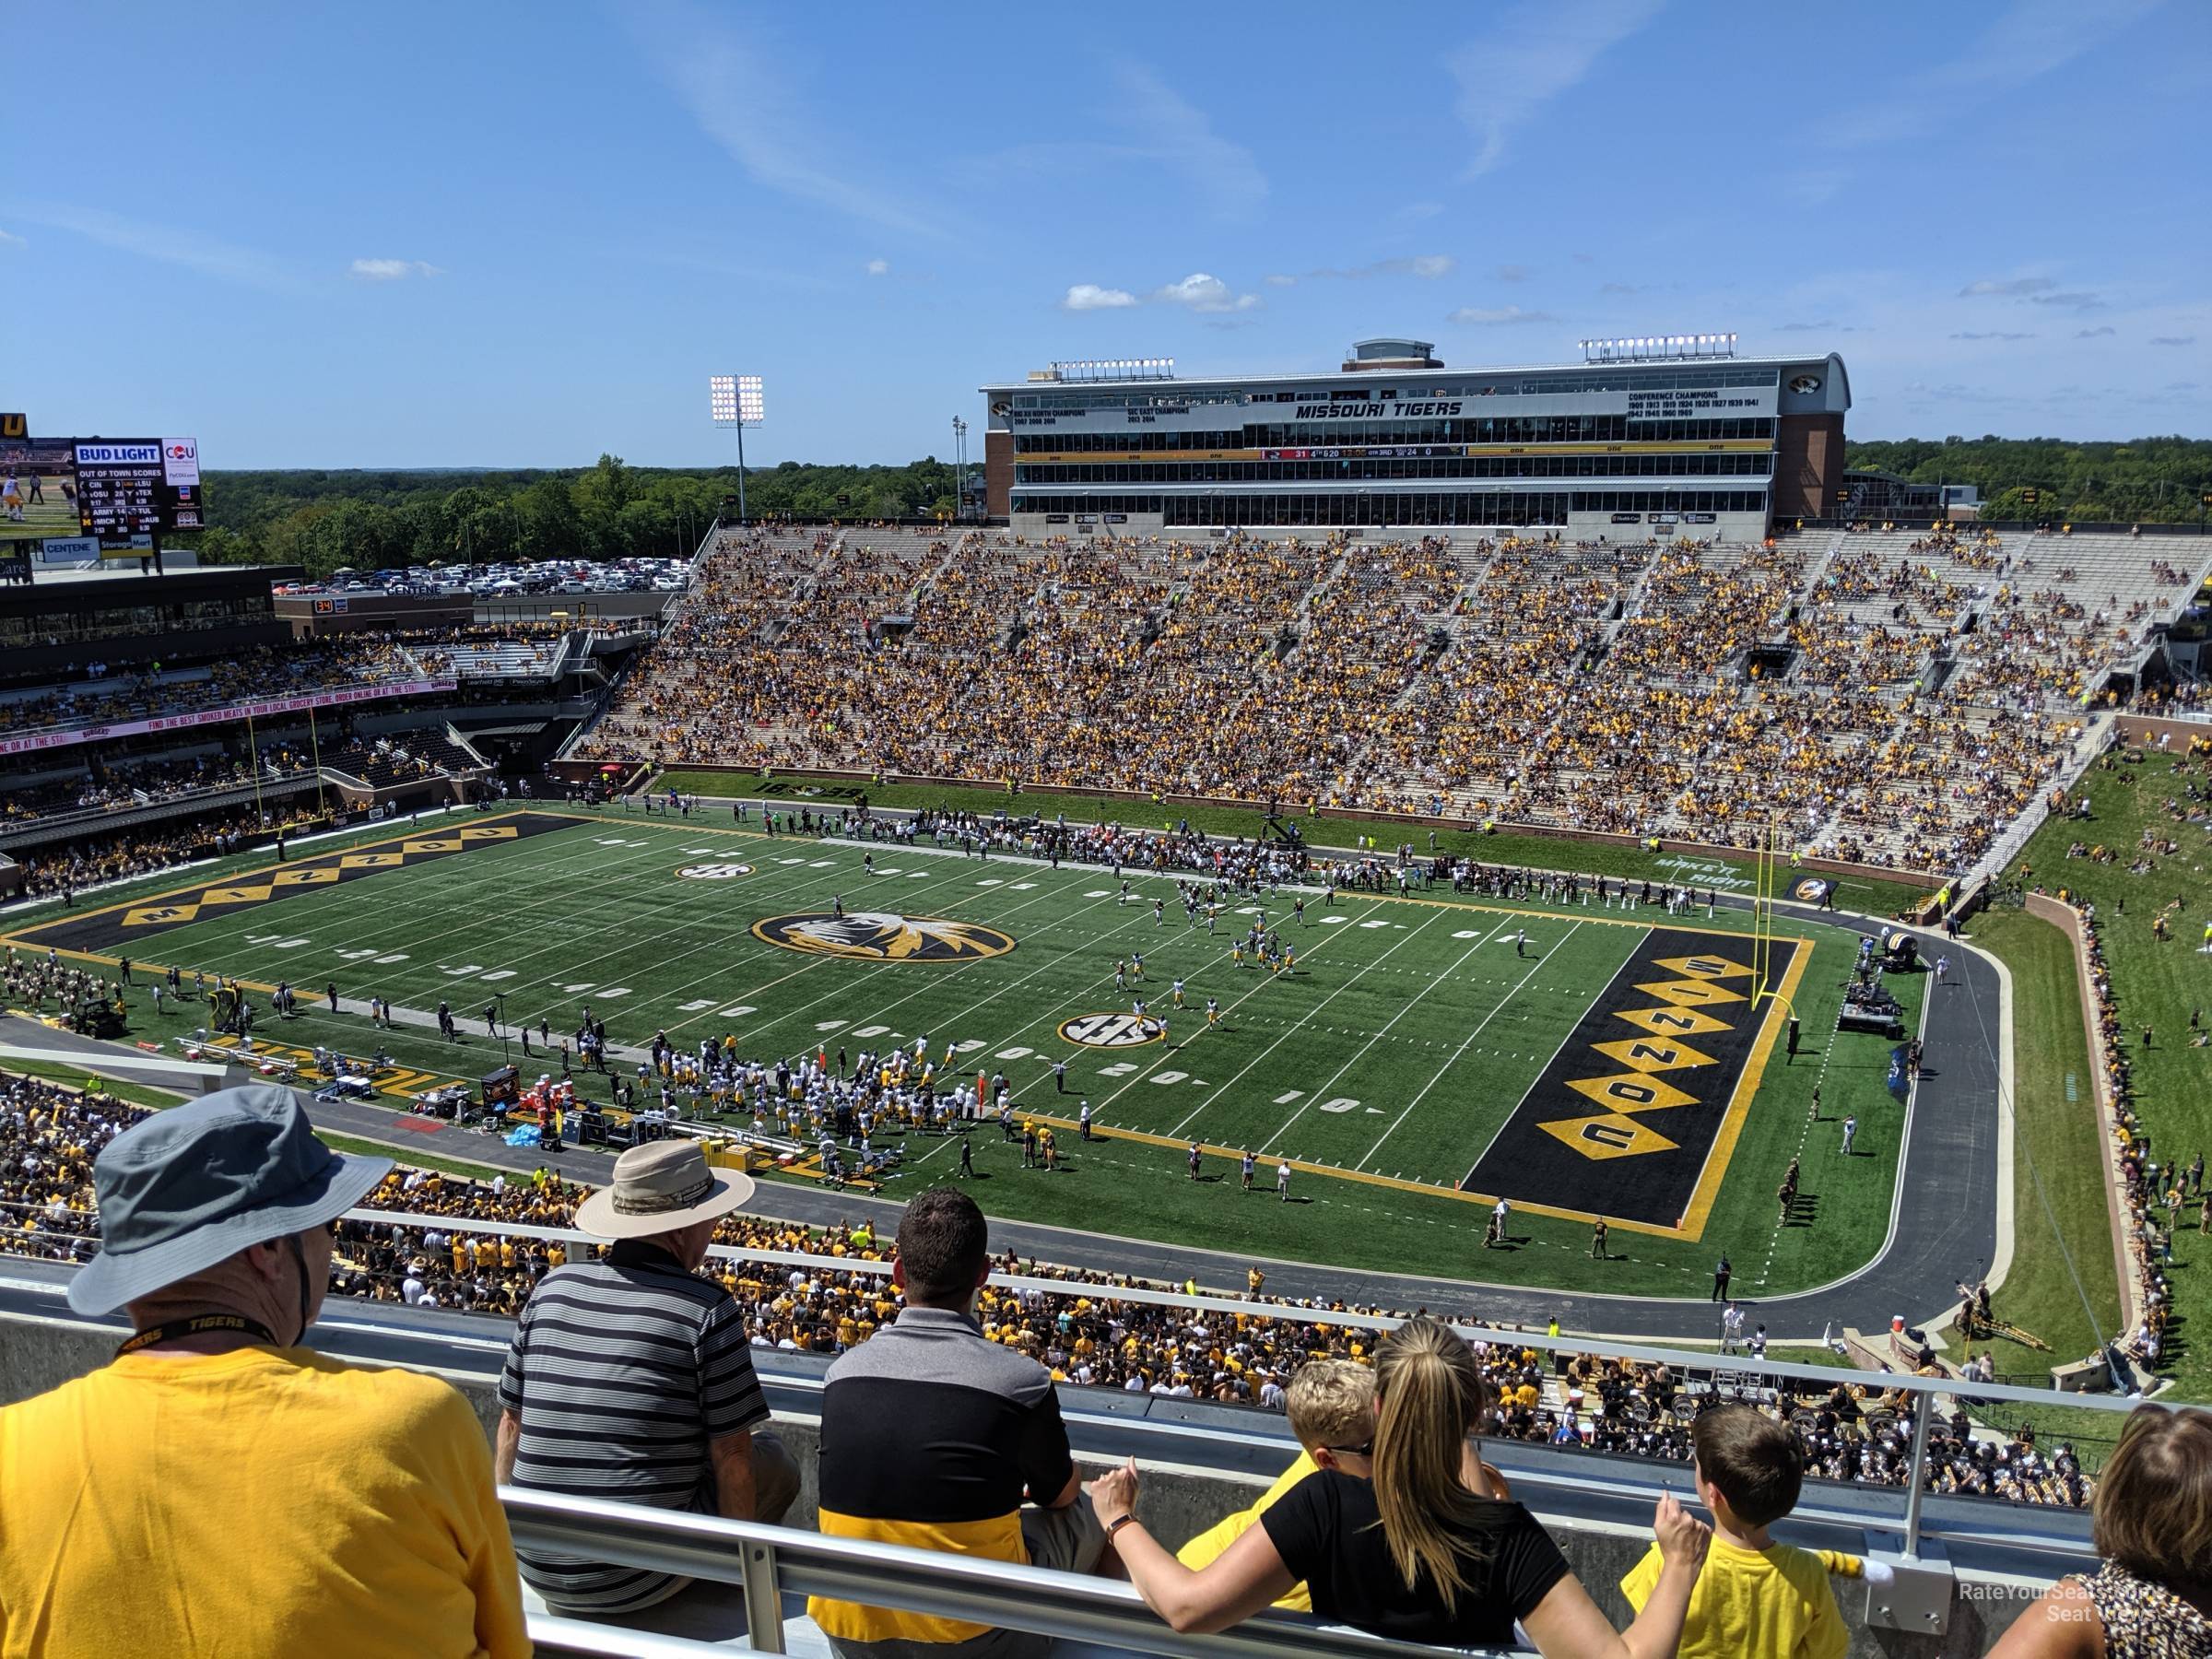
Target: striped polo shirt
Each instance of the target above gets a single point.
(931, 1432)
(621, 1372)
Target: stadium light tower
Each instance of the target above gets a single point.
(959, 470)
(734, 400)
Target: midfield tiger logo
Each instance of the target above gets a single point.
(883, 937)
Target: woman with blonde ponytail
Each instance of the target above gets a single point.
(1411, 1536)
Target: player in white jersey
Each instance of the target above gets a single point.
(1178, 994)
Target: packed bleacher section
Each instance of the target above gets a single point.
(1084, 1336)
(1889, 697)
(109, 693)
(123, 854)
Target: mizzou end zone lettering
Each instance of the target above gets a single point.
(124, 926)
(1624, 1119)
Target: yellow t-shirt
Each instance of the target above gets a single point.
(263, 1500)
(1209, 1545)
(1752, 1604)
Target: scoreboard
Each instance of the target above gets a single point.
(119, 493)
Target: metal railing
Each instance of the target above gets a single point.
(770, 1562)
(1732, 1375)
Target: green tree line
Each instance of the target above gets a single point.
(327, 520)
(2146, 480)
(331, 520)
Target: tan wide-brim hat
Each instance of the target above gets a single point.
(659, 1187)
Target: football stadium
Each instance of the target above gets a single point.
(1498, 919)
(1439, 1003)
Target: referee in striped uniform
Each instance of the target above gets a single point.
(630, 1379)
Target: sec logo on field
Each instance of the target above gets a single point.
(883, 937)
(715, 872)
(1112, 1030)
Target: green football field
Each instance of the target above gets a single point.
(1424, 1055)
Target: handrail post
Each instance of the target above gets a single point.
(1925, 1409)
(763, 1599)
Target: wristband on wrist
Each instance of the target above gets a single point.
(1119, 1522)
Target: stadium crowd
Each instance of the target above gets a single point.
(1084, 1334)
(2147, 1185)
(113, 692)
(1681, 689)
(148, 849)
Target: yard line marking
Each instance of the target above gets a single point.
(1404, 1009)
(1541, 1070)
(1213, 1097)
(1463, 1049)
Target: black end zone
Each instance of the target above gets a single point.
(1624, 1118)
(121, 927)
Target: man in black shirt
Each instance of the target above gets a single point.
(935, 1436)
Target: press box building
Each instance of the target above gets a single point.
(1667, 436)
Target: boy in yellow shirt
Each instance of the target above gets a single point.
(1756, 1599)
(1331, 1404)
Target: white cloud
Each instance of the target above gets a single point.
(2028, 40)
(1428, 267)
(2013, 287)
(8, 240)
(1619, 288)
(2174, 339)
(764, 115)
(1515, 273)
(1178, 135)
(1205, 293)
(1090, 296)
(1536, 53)
(392, 270)
(1276, 279)
(1809, 187)
(190, 249)
(2071, 300)
(1498, 315)
(1991, 335)
(2092, 334)
(879, 267)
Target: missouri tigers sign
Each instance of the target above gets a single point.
(715, 872)
(883, 937)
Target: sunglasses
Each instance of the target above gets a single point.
(1365, 1451)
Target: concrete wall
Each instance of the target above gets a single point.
(1179, 1501)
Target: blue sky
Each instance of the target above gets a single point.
(416, 234)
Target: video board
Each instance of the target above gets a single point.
(118, 489)
(37, 489)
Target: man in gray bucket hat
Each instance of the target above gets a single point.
(218, 1486)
